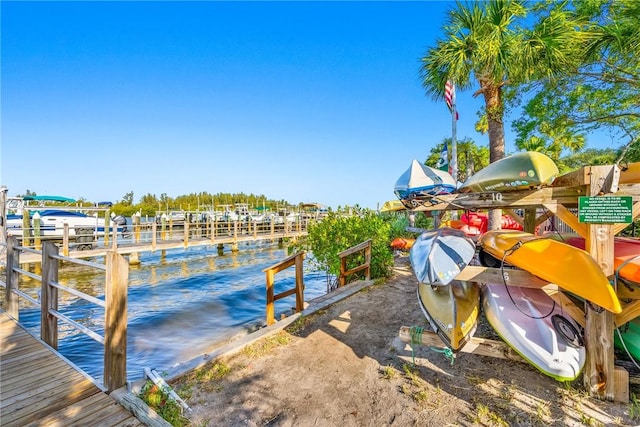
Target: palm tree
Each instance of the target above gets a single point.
(484, 45)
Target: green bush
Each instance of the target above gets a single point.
(338, 232)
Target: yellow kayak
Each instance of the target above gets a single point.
(452, 310)
(572, 269)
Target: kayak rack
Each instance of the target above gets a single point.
(569, 193)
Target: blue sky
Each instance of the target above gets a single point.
(301, 101)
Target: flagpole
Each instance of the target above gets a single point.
(454, 142)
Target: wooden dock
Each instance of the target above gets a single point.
(39, 388)
(128, 248)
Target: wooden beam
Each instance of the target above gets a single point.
(514, 215)
(630, 174)
(599, 378)
(513, 277)
(635, 211)
(629, 312)
(568, 217)
(573, 178)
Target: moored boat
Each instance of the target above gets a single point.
(519, 171)
(51, 219)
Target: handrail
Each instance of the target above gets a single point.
(114, 304)
(297, 260)
(344, 273)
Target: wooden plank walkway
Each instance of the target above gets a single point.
(38, 388)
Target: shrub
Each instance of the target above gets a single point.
(338, 232)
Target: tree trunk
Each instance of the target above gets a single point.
(493, 102)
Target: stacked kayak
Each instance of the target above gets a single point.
(520, 171)
(571, 268)
(451, 307)
(420, 182)
(534, 326)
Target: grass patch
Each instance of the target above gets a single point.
(634, 407)
(267, 345)
(389, 372)
(158, 399)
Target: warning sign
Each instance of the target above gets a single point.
(605, 209)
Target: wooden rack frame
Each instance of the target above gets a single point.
(599, 242)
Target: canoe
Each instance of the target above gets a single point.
(520, 171)
(629, 339)
(421, 182)
(452, 311)
(572, 269)
(438, 256)
(402, 243)
(534, 326)
(626, 254)
(392, 206)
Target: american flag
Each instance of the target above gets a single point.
(449, 94)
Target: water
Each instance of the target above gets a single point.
(179, 306)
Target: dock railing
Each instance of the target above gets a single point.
(116, 270)
(366, 265)
(297, 260)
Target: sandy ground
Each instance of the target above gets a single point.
(346, 366)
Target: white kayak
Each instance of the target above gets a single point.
(531, 323)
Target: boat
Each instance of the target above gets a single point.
(626, 255)
(402, 243)
(421, 182)
(452, 311)
(52, 219)
(392, 206)
(627, 338)
(529, 321)
(520, 171)
(438, 256)
(473, 224)
(572, 269)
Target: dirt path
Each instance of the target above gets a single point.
(346, 366)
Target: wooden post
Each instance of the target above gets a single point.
(114, 244)
(49, 296)
(163, 227)
(273, 226)
(12, 302)
(213, 224)
(3, 221)
(26, 228)
(65, 239)
(170, 227)
(599, 374)
(107, 227)
(530, 220)
(186, 233)
(135, 223)
(154, 235)
(115, 319)
(37, 243)
(271, 313)
(300, 282)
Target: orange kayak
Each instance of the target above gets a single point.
(626, 255)
(571, 268)
(402, 243)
